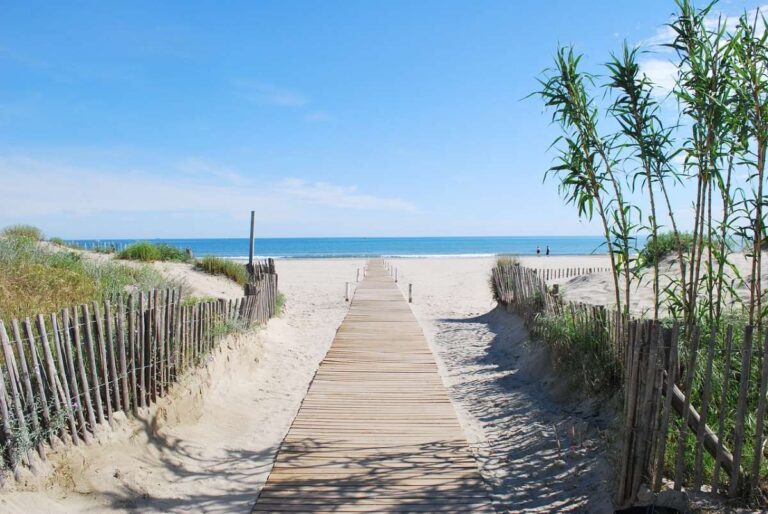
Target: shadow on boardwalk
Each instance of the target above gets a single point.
(379, 478)
(539, 448)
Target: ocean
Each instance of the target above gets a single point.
(326, 247)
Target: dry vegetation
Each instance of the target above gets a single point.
(37, 279)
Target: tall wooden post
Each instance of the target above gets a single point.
(250, 247)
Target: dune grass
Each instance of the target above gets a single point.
(34, 279)
(25, 231)
(225, 267)
(507, 260)
(149, 252)
(666, 244)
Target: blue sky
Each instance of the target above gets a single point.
(353, 118)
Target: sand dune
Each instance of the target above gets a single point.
(209, 446)
(598, 288)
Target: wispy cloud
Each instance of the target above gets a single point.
(38, 188)
(665, 35)
(340, 196)
(198, 167)
(662, 71)
(268, 94)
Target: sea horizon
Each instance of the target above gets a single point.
(362, 247)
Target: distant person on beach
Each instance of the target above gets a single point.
(538, 251)
(547, 249)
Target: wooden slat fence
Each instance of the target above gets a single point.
(566, 273)
(64, 374)
(694, 403)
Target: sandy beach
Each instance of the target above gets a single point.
(209, 446)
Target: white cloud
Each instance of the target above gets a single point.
(340, 196)
(665, 35)
(661, 72)
(202, 168)
(40, 188)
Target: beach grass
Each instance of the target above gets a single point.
(145, 251)
(665, 244)
(25, 231)
(35, 279)
(225, 267)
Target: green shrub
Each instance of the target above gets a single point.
(279, 304)
(24, 231)
(225, 267)
(148, 252)
(37, 280)
(666, 244)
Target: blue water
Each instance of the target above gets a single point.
(379, 246)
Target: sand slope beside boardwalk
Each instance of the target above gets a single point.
(538, 454)
(212, 447)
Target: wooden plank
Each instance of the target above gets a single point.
(760, 421)
(92, 362)
(102, 359)
(689, 372)
(112, 346)
(56, 380)
(120, 341)
(699, 455)
(27, 382)
(723, 401)
(67, 367)
(741, 408)
(13, 379)
(84, 384)
(671, 376)
(376, 431)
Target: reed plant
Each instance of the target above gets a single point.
(715, 154)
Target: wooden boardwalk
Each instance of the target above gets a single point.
(376, 431)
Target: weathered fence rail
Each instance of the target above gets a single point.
(694, 403)
(64, 374)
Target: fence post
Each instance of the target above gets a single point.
(410, 293)
(346, 291)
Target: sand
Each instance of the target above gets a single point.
(209, 447)
(539, 447)
(598, 288)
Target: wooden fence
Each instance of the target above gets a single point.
(565, 273)
(64, 374)
(694, 404)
